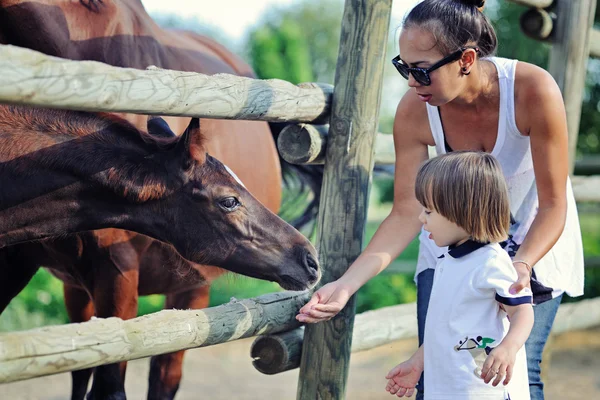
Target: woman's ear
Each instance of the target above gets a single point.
(467, 60)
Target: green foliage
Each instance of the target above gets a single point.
(281, 51)
(41, 303)
(386, 290)
(297, 43)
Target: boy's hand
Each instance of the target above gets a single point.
(403, 379)
(499, 363)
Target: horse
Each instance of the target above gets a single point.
(88, 171)
(102, 272)
(122, 34)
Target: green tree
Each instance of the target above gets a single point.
(281, 51)
(297, 43)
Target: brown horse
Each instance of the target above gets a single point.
(121, 33)
(102, 272)
(85, 171)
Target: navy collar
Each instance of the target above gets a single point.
(466, 248)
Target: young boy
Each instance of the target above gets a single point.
(475, 328)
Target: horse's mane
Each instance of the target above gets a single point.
(57, 122)
(109, 157)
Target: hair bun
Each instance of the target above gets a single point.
(477, 3)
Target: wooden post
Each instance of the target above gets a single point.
(595, 43)
(348, 167)
(569, 57)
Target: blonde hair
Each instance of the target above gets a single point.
(469, 189)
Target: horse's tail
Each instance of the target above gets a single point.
(302, 189)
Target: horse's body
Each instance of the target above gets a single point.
(65, 172)
(122, 34)
(103, 271)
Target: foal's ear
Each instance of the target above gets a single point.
(158, 127)
(190, 144)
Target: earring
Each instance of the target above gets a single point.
(464, 71)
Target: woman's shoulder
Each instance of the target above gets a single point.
(533, 83)
(537, 98)
(412, 119)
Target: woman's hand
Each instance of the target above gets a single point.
(499, 363)
(523, 280)
(403, 378)
(325, 303)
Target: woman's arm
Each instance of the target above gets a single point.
(543, 118)
(411, 137)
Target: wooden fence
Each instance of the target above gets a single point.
(351, 108)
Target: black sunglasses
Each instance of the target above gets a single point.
(421, 75)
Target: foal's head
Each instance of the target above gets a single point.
(95, 171)
(214, 219)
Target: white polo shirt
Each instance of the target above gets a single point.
(465, 322)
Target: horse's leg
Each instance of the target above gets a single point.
(15, 273)
(166, 369)
(115, 295)
(80, 309)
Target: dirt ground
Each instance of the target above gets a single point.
(226, 372)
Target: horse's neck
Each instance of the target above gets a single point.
(70, 187)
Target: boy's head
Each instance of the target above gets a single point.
(468, 189)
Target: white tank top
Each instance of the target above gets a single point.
(561, 269)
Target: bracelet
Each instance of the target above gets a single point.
(526, 265)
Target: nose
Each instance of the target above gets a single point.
(422, 217)
(412, 82)
(312, 265)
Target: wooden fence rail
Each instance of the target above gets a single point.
(277, 353)
(55, 349)
(32, 78)
(534, 3)
(307, 144)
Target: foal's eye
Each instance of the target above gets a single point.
(229, 203)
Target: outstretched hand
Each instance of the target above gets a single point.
(403, 379)
(325, 303)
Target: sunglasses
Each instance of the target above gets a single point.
(421, 75)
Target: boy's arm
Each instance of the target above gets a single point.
(403, 378)
(501, 360)
(521, 323)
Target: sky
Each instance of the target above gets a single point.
(234, 17)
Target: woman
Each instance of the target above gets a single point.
(463, 98)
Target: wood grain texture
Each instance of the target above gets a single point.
(344, 200)
(389, 324)
(534, 3)
(569, 57)
(309, 142)
(595, 43)
(56, 349)
(32, 78)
